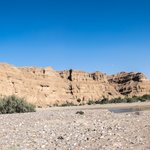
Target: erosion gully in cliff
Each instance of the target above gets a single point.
(45, 86)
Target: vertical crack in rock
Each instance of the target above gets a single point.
(70, 75)
(45, 86)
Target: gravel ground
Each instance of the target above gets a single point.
(65, 129)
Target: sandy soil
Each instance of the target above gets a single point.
(64, 129)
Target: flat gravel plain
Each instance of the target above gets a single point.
(75, 128)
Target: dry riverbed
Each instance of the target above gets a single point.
(65, 129)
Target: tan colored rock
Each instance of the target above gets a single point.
(41, 86)
(130, 84)
(89, 86)
(45, 86)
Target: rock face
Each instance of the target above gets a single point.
(45, 86)
(130, 84)
(41, 86)
(89, 86)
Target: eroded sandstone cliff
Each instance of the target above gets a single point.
(89, 86)
(41, 86)
(130, 84)
(45, 86)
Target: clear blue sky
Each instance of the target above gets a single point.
(105, 35)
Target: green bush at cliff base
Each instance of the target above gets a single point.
(13, 104)
(133, 99)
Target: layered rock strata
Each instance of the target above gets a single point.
(130, 84)
(45, 86)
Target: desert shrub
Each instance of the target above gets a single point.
(106, 101)
(68, 104)
(55, 105)
(140, 99)
(15, 147)
(81, 104)
(132, 100)
(103, 101)
(145, 97)
(13, 104)
(116, 100)
(90, 102)
(124, 100)
(121, 100)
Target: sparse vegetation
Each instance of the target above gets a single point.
(55, 105)
(133, 99)
(103, 101)
(143, 98)
(64, 104)
(15, 147)
(13, 104)
(68, 104)
(90, 102)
